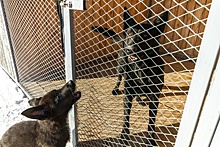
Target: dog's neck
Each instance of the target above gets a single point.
(56, 132)
(52, 124)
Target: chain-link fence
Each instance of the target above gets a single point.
(5, 55)
(101, 114)
(34, 29)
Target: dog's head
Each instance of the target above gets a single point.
(53, 104)
(141, 40)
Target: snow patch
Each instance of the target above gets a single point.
(13, 102)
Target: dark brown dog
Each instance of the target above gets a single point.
(51, 129)
(141, 65)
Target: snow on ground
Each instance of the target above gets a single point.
(12, 102)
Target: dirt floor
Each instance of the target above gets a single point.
(100, 114)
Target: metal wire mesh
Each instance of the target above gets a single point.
(5, 58)
(100, 114)
(35, 32)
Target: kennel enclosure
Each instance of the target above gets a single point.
(31, 53)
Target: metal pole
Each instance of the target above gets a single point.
(205, 65)
(68, 33)
(14, 67)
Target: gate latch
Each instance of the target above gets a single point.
(73, 4)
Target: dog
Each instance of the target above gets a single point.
(140, 64)
(50, 129)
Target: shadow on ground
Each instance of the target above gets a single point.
(165, 137)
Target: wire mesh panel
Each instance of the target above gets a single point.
(101, 115)
(35, 32)
(5, 58)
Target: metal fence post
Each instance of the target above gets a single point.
(70, 66)
(14, 67)
(209, 52)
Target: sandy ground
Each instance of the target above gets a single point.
(100, 114)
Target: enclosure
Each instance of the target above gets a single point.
(39, 54)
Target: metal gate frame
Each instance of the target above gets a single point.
(70, 67)
(202, 109)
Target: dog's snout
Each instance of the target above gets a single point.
(131, 49)
(71, 84)
(128, 49)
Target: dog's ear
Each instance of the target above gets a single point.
(108, 33)
(128, 20)
(104, 31)
(39, 112)
(34, 101)
(160, 21)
